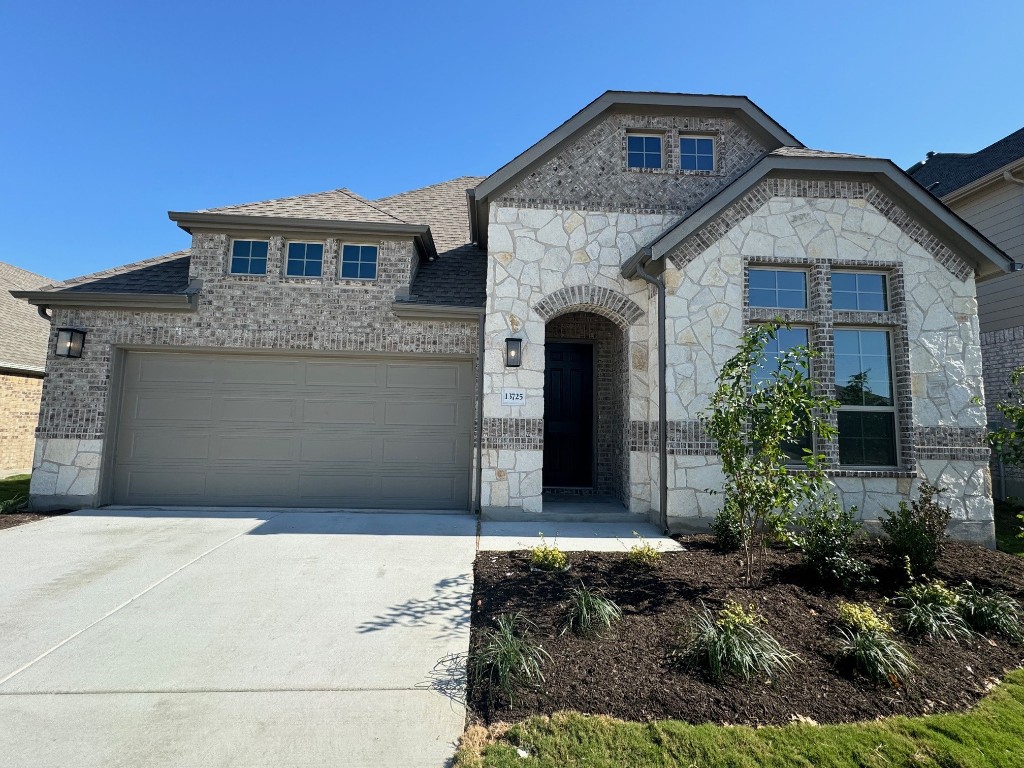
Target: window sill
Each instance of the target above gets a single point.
(892, 472)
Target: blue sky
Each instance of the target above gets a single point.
(116, 112)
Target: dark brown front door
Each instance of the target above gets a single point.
(568, 415)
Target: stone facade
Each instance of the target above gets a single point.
(19, 403)
(270, 312)
(1003, 351)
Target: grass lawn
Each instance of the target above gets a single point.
(992, 734)
(14, 486)
(1008, 526)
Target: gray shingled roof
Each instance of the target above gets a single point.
(340, 204)
(161, 274)
(945, 172)
(24, 335)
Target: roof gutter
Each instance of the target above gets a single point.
(166, 302)
(412, 311)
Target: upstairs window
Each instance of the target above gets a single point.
(305, 260)
(359, 262)
(696, 153)
(785, 288)
(643, 150)
(249, 257)
(863, 291)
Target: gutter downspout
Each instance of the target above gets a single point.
(44, 312)
(1013, 179)
(659, 284)
(479, 479)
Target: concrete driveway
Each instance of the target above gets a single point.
(233, 638)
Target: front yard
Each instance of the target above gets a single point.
(13, 493)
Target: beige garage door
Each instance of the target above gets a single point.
(306, 431)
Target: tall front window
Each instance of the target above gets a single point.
(785, 340)
(864, 389)
(249, 257)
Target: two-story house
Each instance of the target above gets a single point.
(332, 351)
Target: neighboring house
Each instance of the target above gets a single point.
(23, 338)
(986, 189)
(320, 351)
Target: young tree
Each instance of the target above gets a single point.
(755, 418)
(1008, 440)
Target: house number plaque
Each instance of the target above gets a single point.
(511, 396)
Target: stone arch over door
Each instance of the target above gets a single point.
(613, 305)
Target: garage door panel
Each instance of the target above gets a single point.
(207, 428)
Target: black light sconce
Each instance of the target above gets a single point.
(69, 342)
(513, 353)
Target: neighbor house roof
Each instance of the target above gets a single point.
(24, 335)
(942, 173)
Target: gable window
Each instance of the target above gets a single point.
(359, 262)
(864, 291)
(777, 288)
(249, 257)
(643, 150)
(696, 153)
(785, 340)
(864, 389)
(305, 260)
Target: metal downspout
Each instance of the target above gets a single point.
(479, 479)
(659, 285)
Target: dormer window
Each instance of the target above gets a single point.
(696, 153)
(643, 150)
(358, 262)
(249, 257)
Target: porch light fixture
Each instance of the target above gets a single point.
(513, 353)
(69, 342)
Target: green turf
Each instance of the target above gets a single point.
(16, 485)
(1008, 527)
(989, 736)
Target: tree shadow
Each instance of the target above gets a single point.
(448, 610)
(448, 677)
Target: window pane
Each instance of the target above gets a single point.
(844, 300)
(635, 160)
(367, 271)
(760, 297)
(687, 146)
(369, 253)
(653, 144)
(240, 248)
(313, 268)
(349, 269)
(296, 250)
(705, 146)
(844, 281)
(295, 268)
(863, 291)
(259, 249)
(314, 251)
(688, 162)
(761, 278)
(635, 143)
(705, 163)
(258, 267)
(239, 266)
(867, 439)
(793, 281)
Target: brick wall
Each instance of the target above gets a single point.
(1003, 351)
(19, 410)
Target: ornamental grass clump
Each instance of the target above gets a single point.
(644, 554)
(867, 646)
(828, 543)
(915, 532)
(930, 610)
(548, 558)
(990, 611)
(590, 612)
(508, 659)
(732, 642)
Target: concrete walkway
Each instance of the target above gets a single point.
(234, 637)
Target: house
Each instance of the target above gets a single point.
(323, 350)
(23, 337)
(986, 189)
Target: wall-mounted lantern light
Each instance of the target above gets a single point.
(513, 353)
(69, 342)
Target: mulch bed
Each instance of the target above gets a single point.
(626, 673)
(20, 518)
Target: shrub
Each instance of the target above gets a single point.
(829, 540)
(548, 558)
(861, 617)
(12, 505)
(728, 528)
(590, 612)
(644, 554)
(915, 532)
(731, 642)
(931, 610)
(508, 660)
(990, 611)
(876, 654)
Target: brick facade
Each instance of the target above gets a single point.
(1003, 352)
(19, 403)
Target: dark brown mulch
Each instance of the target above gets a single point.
(626, 673)
(20, 518)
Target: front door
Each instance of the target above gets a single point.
(568, 415)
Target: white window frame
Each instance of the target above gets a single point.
(231, 256)
(376, 265)
(714, 151)
(647, 134)
(781, 268)
(854, 271)
(894, 409)
(284, 266)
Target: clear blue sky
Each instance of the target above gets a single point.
(114, 113)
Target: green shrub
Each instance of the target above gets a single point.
(728, 528)
(915, 532)
(731, 642)
(990, 611)
(861, 617)
(931, 610)
(590, 612)
(876, 654)
(644, 554)
(508, 660)
(829, 541)
(13, 504)
(548, 558)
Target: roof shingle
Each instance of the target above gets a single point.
(24, 335)
(339, 204)
(944, 172)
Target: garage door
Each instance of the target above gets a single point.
(269, 430)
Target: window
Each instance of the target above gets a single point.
(777, 288)
(359, 262)
(305, 260)
(696, 153)
(785, 340)
(865, 291)
(867, 412)
(643, 150)
(249, 257)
